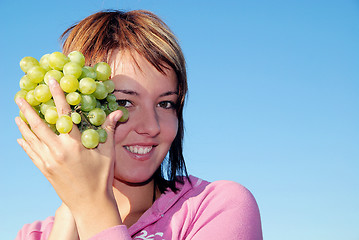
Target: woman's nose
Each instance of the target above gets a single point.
(148, 123)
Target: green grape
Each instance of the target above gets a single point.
(77, 57)
(56, 74)
(72, 68)
(28, 62)
(101, 91)
(51, 115)
(103, 71)
(110, 85)
(22, 116)
(76, 117)
(37, 109)
(57, 60)
(88, 102)
(113, 106)
(30, 98)
(52, 127)
(44, 62)
(111, 98)
(42, 93)
(44, 106)
(73, 98)
(87, 85)
(90, 138)
(98, 103)
(88, 71)
(26, 84)
(69, 83)
(64, 124)
(105, 108)
(22, 94)
(102, 135)
(97, 116)
(36, 74)
(88, 90)
(125, 114)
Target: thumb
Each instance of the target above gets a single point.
(109, 125)
(111, 121)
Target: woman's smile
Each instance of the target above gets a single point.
(141, 150)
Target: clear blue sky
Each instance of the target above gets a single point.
(273, 104)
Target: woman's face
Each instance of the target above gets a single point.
(143, 141)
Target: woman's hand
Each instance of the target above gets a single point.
(81, 177)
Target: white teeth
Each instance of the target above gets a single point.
(138, 149)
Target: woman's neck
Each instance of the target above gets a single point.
(134, 199)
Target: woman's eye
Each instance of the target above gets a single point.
(167, 105)
(124, 102)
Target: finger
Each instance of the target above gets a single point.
(109, 125)
(31, 153)
(107, 148)
(63, 108)
(26, 132)
(30, 143)
(39, 129)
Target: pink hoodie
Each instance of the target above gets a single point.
(203, 210)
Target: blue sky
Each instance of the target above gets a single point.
(273, 104)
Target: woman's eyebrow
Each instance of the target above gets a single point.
(124, 91)
(131, 92)
(169, 93)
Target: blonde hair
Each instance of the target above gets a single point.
(99, 35)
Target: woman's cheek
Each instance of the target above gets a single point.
(171, 128)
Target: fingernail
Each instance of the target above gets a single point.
(19, 101)
(20, 141)
(52, 82)
(117, 117)
(17, 121)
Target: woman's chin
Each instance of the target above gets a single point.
(134, 181)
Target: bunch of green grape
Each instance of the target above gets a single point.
(88, 90)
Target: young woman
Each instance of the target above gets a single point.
(127, 188)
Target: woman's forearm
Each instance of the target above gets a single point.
(64, 226)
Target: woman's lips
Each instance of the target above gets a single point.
(140, 152)
(139, 149)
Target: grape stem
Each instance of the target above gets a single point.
(86, 122)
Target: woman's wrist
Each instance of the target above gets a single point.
(64, 225)
(95, 218)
